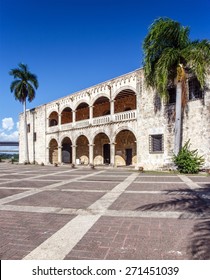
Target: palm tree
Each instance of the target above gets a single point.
(24, 87)
(169, 57)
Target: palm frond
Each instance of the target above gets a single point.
(25, 84)
(197, 54)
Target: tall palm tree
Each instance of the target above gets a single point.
(24, 87)
(169, 57)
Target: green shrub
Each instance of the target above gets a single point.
(188, 161)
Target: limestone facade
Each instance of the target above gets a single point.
(118, 122)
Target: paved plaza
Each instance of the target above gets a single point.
(49, 212)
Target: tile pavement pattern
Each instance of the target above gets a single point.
(62, 213)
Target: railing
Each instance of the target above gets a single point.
(124, 116)
(101, 120)
(82, 123)
(52, 129)
(66, 126)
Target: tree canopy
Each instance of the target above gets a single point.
(24, 84)
(169, 55)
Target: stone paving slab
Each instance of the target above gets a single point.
(101, 179)
(62, 199)
(85, 213)
(153, 202)
(59, 177)
(29, 184)
(88, 186)
(135, 238)
(145, 186)
(15, 176)
(22, 232)
(8, 192)
(158, 179)
(200, 178)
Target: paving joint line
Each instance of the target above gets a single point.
(59, 244)
(15, 197)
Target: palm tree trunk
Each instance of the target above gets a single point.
(26, 133)
(178, 120)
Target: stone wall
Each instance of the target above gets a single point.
(153, 117)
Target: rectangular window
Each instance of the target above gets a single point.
(28, 128)
(156, 143)
(195, 91)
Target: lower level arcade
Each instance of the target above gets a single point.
(102, 151)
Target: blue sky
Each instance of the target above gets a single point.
(73, 44)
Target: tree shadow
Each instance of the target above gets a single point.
(195, 204)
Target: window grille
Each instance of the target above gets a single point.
(156, 143)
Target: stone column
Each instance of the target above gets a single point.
(73, 116)
(90, 114)
(91, 154)
(112, 109)
(74, 154)
(47, 159)
(138, 155)
(59, 154)
(59, 120)
(112, 154)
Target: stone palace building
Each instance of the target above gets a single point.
(119, 122)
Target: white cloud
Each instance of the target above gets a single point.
(9, 137)
(17, 125)
(7, 123)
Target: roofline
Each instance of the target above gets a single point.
(74, 93)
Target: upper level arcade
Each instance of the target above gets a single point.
(112, 101)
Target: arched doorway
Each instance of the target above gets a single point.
(82, 150)
(125, 148)
(66, 150)
(53, 151)
(101, 149)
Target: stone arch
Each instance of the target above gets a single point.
(101, 130)
(97, 97)
(125, 127)
(101, 106)
(66, 115)
(82, 150)
(53, 151)
(66, 144)
(82, 111)
(53, 118)
(125, 147)
(74, 107)
(101, 153)
(125, 100)
(122, 89)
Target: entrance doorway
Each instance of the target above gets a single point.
(106, 152)
(128, 154)
(66, 150)
(66, 153)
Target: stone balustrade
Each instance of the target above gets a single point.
(124, 116)
(118, 117)
(101, 120)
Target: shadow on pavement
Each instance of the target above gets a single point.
(196, 202)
